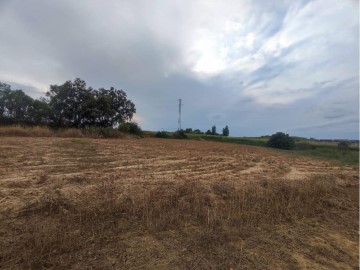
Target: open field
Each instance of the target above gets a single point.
(80, 203)
(303, 147)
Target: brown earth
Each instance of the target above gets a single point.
(172, 204)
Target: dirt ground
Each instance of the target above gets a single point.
(32, 168)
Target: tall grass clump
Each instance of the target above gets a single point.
(102, 132)
(42, 131)
(20, 131)
(250, 205)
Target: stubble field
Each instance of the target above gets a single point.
(78, 203)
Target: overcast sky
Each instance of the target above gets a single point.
(257, 66)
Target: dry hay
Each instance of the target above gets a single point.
(172, 204)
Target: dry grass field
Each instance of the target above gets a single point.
(80, 203)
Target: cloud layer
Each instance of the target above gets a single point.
(257, 66)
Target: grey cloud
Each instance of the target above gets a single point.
(329, 124)
(268, 72)
(335, 114)
(145, 48)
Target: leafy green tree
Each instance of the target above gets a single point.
(18, 105)
(116, 108)
(74, 105)
(226, 131)
(15, 105)
(281, 140)
(71, 104)
(208, 132)
(40, 112)
(66, 102)
(213, 130)
(5, 90)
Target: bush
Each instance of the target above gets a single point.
(130, 127)
(135, 128)
(162, 134)
(124, 127)
(281, 140)
(180, 134)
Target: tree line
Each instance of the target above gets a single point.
(71, 104)
(225, 131)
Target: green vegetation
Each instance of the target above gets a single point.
(327, 151)
(70, 105)
(180, 134)
(281, 140)
(343, 146)
(18, 108)
(130, 127)
(161, 134)
(213, 130)
(330, 152)
(237, 140)
(225, 131)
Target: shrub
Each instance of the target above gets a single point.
(281, 140)
(130, 127)
(180, 134)
(162, 134)
(124, 127)
(135, 128)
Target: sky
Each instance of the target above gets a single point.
(257, 66)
